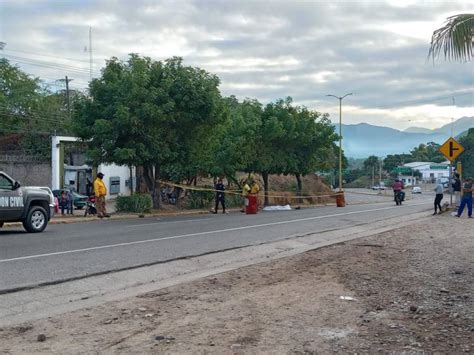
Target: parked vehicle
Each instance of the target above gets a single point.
(416, 190)
(445, 182)
(32, 206)
(378, 187)
(53, 200)
(79, 201)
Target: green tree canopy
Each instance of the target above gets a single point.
(153, 114)
(370, 163)
(467, 157)
(235, 138)
(30, 112)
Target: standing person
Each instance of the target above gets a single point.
(245, 192)
(397, 190)
(457, 189)
(100, 192)
(63, 202)
(255, 189)
(439, 196)
(466, 198)
(88, 188)
(220, 188)
(70, 202)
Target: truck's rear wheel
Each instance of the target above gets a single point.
(36, 220)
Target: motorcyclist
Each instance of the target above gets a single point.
(397, 190)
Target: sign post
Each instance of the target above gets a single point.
(451, 149)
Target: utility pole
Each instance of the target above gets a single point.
(90, 52)
(450, 186)
(340, 98)
(67, 95)
(68, 104)
(373, 175)
(380, 175)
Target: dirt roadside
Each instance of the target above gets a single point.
(410, 290)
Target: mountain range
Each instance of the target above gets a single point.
(362, 140)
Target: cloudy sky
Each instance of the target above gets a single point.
(261, 49)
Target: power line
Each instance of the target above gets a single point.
(50, 55)
(50, 65)
(34, 113)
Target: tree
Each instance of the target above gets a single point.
(370, 166)
(454, 39)
(152, 114)
(235, 138)
(433, 153)
(269, 153)
(392, 161)
(309, 144)
(467, 157)
(29, 112)
(420, 153)
(370, 163)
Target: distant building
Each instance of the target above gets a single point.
(429, 171)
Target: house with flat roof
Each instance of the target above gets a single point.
(429, 171)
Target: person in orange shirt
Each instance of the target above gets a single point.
(100, 192)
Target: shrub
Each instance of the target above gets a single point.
(206, 199)
(139, 203)
(200, 199)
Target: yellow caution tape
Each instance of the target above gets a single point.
(238, 192)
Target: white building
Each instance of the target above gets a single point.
(429, 171)
(116, 178)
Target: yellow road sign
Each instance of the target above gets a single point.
(451, 149)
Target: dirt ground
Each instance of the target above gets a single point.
(406, 291)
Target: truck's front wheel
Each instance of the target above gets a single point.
(36, 220)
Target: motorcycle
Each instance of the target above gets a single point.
(399, 197)
(91, 207)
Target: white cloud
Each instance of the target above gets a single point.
(262, 49)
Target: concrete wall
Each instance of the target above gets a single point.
(28, 173)
(116, 171)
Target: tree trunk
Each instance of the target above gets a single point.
(131, 179)
(151, 174)
(299, 187)
(265, 187)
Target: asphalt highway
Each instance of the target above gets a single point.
(69, 251)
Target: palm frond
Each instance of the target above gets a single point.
(454, 39)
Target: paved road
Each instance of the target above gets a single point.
(76, 250)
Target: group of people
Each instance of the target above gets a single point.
(249, 186)
(66, 201)
(460, 201)
(463, 197)
(466, 198)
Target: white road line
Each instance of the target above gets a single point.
(201, 233)
(183, 221)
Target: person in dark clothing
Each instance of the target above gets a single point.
(89, 187)
(220, 195)
(457, 189)
(466, 198)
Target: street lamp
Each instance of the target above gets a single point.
(340, 98)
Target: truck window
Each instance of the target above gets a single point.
(5, 184)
